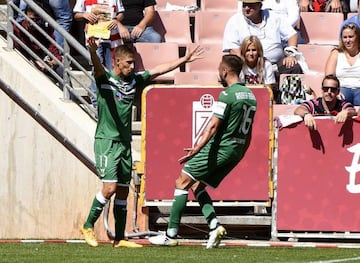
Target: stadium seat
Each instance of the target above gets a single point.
(321, 27)
(314, 82)
(283, 109)
(351, 14)
(211, 58)
(173, 26)
(149, 55)
(215, 5)
(161, 4)
(201, 78)
(209, 26)
(316, 55)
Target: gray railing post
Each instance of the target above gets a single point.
(9, 25)
(66, 64)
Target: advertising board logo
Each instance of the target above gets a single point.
(352, 186)
(201, 115)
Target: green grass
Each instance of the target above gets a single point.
(67, 252)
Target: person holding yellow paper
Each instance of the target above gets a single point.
(102, 17)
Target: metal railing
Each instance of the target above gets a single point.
(69, 62)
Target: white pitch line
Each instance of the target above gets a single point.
(335, 260)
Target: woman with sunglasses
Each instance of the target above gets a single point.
(327, 104)
(344, 62)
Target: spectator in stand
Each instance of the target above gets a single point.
(256, 69)
(344, 62)
(334, 6)
(136, 25)
(271, 29)
(61, 12)
(328, 104)
(93, 12)
(289, 9)
(45, 58)
(286, 8)
(354, 19)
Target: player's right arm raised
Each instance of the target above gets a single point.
(99, 69)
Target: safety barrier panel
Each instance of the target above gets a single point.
(317, 189)
(173, 119)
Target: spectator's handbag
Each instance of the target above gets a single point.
(293, 90)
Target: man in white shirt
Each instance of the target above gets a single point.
(287, 8)
(270, 28)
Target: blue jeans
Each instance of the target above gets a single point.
(63, 16)
(104, 53)
(149, 35)
(351, 95)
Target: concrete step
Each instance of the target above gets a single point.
(82, 83)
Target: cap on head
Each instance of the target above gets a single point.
(251, 1)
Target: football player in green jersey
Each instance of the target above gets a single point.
(115, 94)
(221, 147)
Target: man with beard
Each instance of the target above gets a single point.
(328, 104)
(223, 144)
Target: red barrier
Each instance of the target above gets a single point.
(174, 118)
(317, 187)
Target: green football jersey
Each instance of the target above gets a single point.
(115, 98)
(236, 106)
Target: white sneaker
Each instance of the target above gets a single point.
(163, 240)
(215, 237)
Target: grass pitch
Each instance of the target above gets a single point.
(68, 252)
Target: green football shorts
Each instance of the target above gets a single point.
(113, 160)
(211, 166)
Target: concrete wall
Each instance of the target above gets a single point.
(45, 190)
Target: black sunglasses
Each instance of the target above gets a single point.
(332, 89)
(250, 5)
(350, 25)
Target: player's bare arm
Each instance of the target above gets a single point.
(98, 66)
(190, 56)
(208, 133)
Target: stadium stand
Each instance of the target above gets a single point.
(351, 14)
(166, 23)
(320, 27)
(215, 5)
(150, 55)
(210, 61)
(201, 78)
(161, 4)
(315, 55)
(209, 26)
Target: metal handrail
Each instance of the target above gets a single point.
(69, 63)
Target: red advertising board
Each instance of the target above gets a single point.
(317, 184)
(174, 118)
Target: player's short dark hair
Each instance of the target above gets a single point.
(234, 62)
(333, 77)
(126, 49)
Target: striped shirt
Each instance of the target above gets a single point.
(315, 106)
(115, 7)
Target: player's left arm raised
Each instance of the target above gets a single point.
(190, 56)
